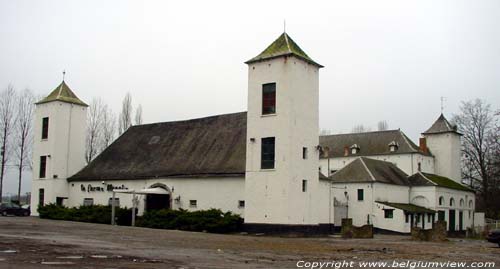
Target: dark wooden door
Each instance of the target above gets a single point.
(460, 221)
(451, 219)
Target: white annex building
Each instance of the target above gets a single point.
(262, 164)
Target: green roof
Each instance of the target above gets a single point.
(64, 94)
(408, 207)
(446, 182)
(283, 46)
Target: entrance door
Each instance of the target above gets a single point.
(157, 201)
(452, 220)
(460, 221)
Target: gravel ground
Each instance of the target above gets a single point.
(30, 242)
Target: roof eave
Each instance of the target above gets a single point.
(256, 59)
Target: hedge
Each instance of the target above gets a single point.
(212, 220)
(94, 214)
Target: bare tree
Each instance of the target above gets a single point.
(94, 129)
(382, 125)
(125, 118)
(325, 132)
(478, 124)
(360, 128)
(138, 115)
(108, 127)
(23, 133)
(7, 107)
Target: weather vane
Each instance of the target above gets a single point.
(442, 103)
(64, 74)
(284, 26)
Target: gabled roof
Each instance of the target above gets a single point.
(369, 170)
(206, 147)
(64, 94)
(369, 143)
(283, 46)
(427, 179)
(411, 208)
(442, 125)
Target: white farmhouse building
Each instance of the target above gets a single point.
(261, 164)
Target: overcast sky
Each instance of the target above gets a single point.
(384, 60)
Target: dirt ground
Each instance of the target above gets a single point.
(30, 242)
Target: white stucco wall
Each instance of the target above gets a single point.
(275, 196)
(65, 148)
(221, 193)
(446, 149)
(406, 162)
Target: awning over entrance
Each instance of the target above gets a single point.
(410, 208)
(156, 190)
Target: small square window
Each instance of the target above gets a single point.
(117, 201)
(361, 195)
(88, 201)
(388, 213)
(241, 203)
(304, 153)
(193, 203)
(304, 185)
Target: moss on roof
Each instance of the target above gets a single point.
(64, 94)
(446, 182)
(408, 207)
(283, 46)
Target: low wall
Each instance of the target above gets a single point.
(437, 233)
(350, 231)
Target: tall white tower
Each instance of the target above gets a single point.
(58, 145)
(281, 178)
(443, 141)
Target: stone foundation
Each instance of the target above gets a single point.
(350, 231)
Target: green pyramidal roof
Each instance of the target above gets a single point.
(64, 94)
(283, 46)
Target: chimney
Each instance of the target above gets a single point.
(423, 145)
(346, 150)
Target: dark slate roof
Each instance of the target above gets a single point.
(369, 170)
(369, 143)
(426, 179)
(408, 207)
(441, 125)
(283, 46)
(64, 94)
(212, 146)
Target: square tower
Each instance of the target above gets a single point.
(282, 156)
(60, 122)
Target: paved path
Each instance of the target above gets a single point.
(30, 242)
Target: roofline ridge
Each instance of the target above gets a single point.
(192, 119)
(287, 42)
(426, 178)
(366, 167)
(406, 140)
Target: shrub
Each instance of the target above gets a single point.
(212, 220)
(93, 214)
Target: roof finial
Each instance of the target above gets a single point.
(442, 103)
(284, 26)
(64, 74)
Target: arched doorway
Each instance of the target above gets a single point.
(159, 199)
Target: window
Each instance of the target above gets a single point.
(88, 201)
(267, 153)
(304, 185)
(429, 216)
(43, 167)
(417, 218)
(470, 204)
(41, 197)
(269, 98)
(452, 202)
(241, 203)
(441, 200)
(59, 201)
(45, 128)
(388, 213)
(117, 201)
(419, 167)
(361, 195)
(193, 203)
(304, 153)
(462, 203)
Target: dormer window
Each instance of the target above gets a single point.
(393, 146)
(355, 149)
